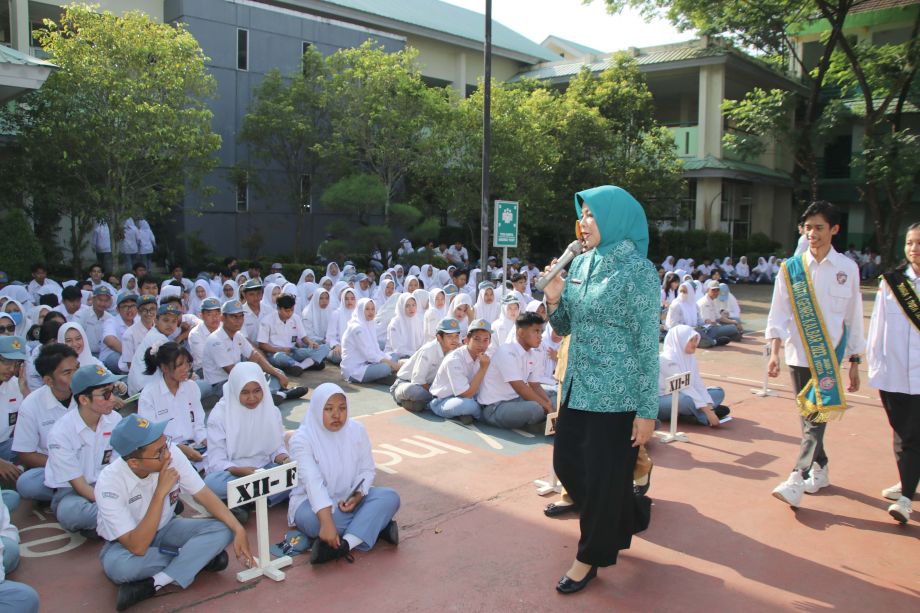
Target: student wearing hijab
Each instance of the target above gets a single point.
(200, 291)
(411, 388)
(306, 285)
(338, 321)
(503, 327)
(684, 311)
(336, 293)
(333, 272)
(461, 309)
(362, 359)
(244, 433)
(762, 273)
(73, 336)
(487, 306)
(429, 277)
(17, 312)
(335, 502)
(229, 291)
(315, 316)
(129, 284)
(437, 310)
(405, 333)
(701, 403)
(742, 270)
(412, 284)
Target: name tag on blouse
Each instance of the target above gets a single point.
(577, 281)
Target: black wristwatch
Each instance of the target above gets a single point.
(855, 359)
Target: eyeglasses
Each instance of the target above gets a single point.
(5, 329)
(105, 395)
(148, 310)
(160, 451)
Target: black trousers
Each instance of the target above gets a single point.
(811, 449)
(594, 458)
(904, 416)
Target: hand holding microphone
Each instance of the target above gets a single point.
(550, 283)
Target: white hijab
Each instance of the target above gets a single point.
(686, 302)
(381, 296)
(306, 285)
(86, 356)
(487, 311)
(194, 302)
(421, 300)
(336, 294)
(234, 287)
(429, 277)
(405, 334)
(25, 322)
(668, 263)
(334, 277)
(411, 278)
(315, 317)
(674, 351)
(363, 332)
(268, 305)
(124, 283)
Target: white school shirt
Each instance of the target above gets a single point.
(93, 326)
(457, 255)
(455, 374)
(101, 240)
(894, 344)
(184, 410)
(76, 451)
(836, 291)
(48, 287)
(130, 339)
(511, 363)
(422, 367)
(709, 310)
(137, 380)
(281, 333)
(114, 326)
(219, 456)
(251, 323)
(38, 413)
(219, 351)
(122, 498)
(197, 339)
(71, 318)
(10, 400)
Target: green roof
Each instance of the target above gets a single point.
(869, 13)
(449, 19)
(711, 162)
(584, 49)
(858, 105)
(8, 55)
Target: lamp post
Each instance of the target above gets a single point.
(486, 141)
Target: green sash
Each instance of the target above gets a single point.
(822, 397)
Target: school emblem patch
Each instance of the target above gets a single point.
(15, 344)
(142, 423)
(826, 383)
(841, 278)
(100, 371)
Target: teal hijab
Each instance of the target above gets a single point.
(619, 217)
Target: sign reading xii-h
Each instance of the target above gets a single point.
(506, 224)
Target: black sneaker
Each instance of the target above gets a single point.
(218, 563)
(133, 592)
(180, 507)
(296, 392)
(317, 366)
(241, 514)
(278, 398)
(721, 411)
(390, 533)
(322, 553)
(293, 370)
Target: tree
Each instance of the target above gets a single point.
(286, 127)
(123, 120)
(19, 248)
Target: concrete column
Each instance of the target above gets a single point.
(19, 20)
(460, 75)
(708, 204)
(712, 92)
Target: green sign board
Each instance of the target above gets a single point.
(506, 224)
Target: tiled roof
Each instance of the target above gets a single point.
(874, 5)
(8, 55)
(713, 163)
(584, 49)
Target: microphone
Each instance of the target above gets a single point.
(567, 256)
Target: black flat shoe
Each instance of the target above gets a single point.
(133, 592)
(390, 533)
(642, 490)
(217, 563)
(317, 366)
(568, 586)
(322, 553)
(554, 509)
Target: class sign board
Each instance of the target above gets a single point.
(678, 382)
(506, 224)
(261, 484)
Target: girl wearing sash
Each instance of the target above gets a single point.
(894, 368)
(817, 314)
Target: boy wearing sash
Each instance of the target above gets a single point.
(817, 314)
(894, 368)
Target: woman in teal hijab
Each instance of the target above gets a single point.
(609, 304)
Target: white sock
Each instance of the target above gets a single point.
(352, 540)
(307, 363)
(281, 393)
(161, 580)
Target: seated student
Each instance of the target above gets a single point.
(460, 376)
(134, 335)
(335, 502)
(198, 338)
(137, 495)
(227, 347)
(742, 270)
(503, 327)
(166, 323)
(244, 433)
(14, 596)
(285, 342)
(171, 395)
(73, 335)
(39, 411)
(729, 307)
(437, 310)
(715, 319)
(114, 328)
(94, 318)
(315, 317)
(13, 389)
(411, 388)
(362, 359)
(487, 306)
(511, 395)
(461, 309)
(405, 332)
(684, 310)
(71, 302)
(697, 401)
(338, 321)
(79, 447)
(46, 336)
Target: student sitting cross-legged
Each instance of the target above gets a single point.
(334, 502)
(700, 403)
(148, 546)
(460, 376)
(414, 379)
(245, 433)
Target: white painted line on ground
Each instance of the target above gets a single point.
(491, 442)
(388, 411)
(523, 433)
(441, 444)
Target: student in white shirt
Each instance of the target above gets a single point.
(437, 310)
(244, 433)
(338, 321)
(503, 327)
(335, 501)
(137, 495)
(198, 337)
(93, 319)
(79, 448)
(405, 332)
(41, 284)
(134, 334)
(286, 344)
(716, 322)
(253, 293)
(700, 403)
(38, 413)
(166, 323)
(411, 390)
(171, 395)
(894, 368)
(129, 244)
(460, 376)
(71, 302)
(487, 305)
(362, 359)
(13, 389)
(73, 336)
(114, 328)
(316, 315)
(511, 395)
(102, 244)
(834, 290)
(457, 254)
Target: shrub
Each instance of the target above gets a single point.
(19, 248)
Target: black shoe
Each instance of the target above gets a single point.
(90, 534)
(180, 507)
(465, 419)
(317, 366)
(278, 398)
(218, 563)
(390, 533)
(295, 392)
(322, 553)
(723, 340)
(721, 411)
(642, 489)
(241, 514)
(133, 592)
(568, 586)
(293, 370)
(554, 509)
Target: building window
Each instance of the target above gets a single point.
(242, 49)
(304, 47)
(242, 195)
(737, 205)
(306, 195)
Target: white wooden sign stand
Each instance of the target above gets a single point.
(675, 384)
(256, 488)
(765, 390)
